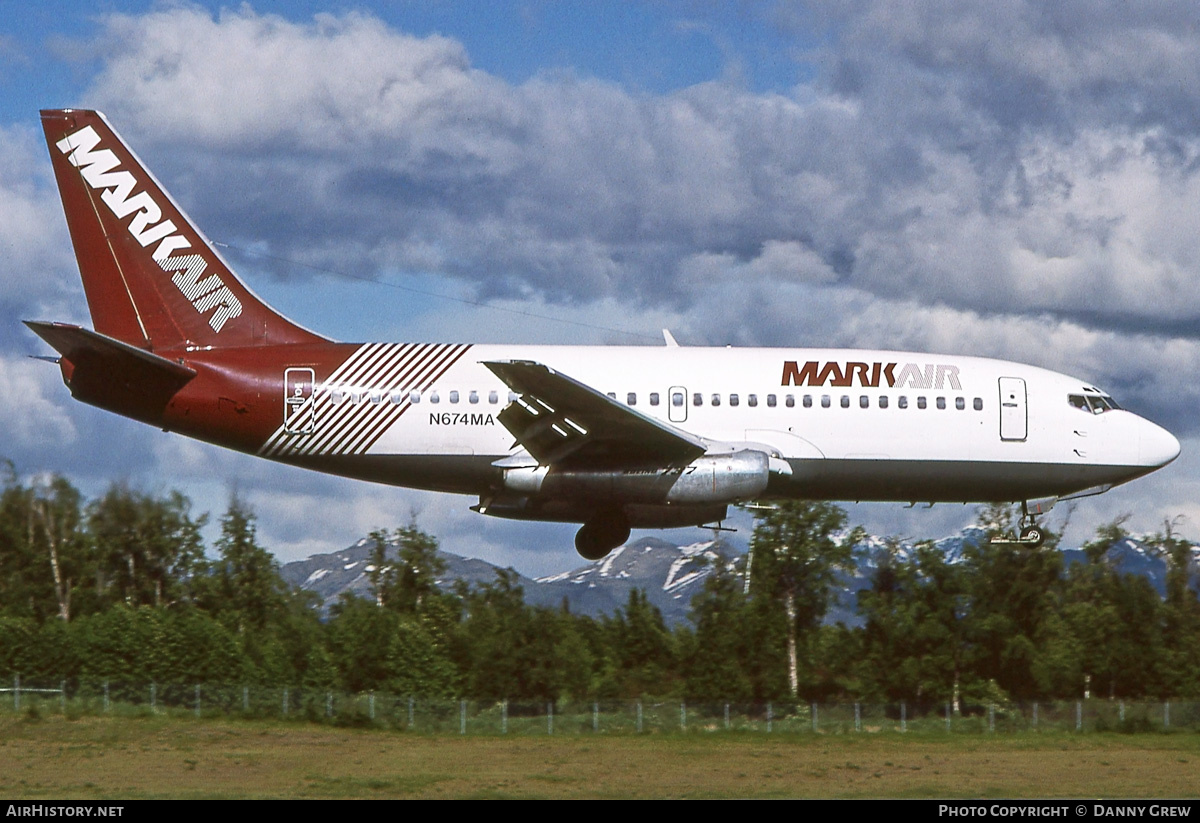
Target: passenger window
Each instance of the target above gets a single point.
(454, 396)
(653, 398)
(845, 401)
(752, 400)
(473, 397)
(414, 397)
(631, 399)
(883, 401)
(493, 397)
(941, 402)
(716, 399)
(512, 397)
(376, 396)
(921, 402)
(789, 401)
(864, 402)
(433, 397)
(337, 396)
(960, 403)
(824, 401)
(902, 401)
(697, 399)
(612, 394)
(978, 404)
(677, 399)
(770, 401)
(396, 397)
(733, 399)
(807, 401)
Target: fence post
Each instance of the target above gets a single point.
(595, 715)
(1078, 715)
(814, 722)
(462, 717)
(682, 716)
(550, 717)
(726, 717)
(947, 715)
(504, 716)
(105, 695)
(246, 699)
(1035, 713)
(903, 716)
(410, 710)
(16, 693)
(285, 701)
(639, 717)
(858, 717)
(770, 716)
(1121, 711)
(991, 717)
(197, 700)
(371, 706)
(153, 696)
(62, 695)
(1167, 714)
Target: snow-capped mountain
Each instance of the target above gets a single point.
(669, 574)
(672, 575)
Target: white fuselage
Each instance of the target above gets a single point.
(852, 424)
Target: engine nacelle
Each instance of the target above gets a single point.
(713, 478)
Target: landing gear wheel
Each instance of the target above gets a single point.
(601, 535)
(1032, 536)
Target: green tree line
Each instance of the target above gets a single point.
(123, 588)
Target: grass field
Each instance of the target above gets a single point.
(151, 757)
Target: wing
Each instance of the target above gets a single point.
(559, 420)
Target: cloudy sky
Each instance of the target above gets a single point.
(1007, 179)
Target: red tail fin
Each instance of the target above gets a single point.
(151, 278)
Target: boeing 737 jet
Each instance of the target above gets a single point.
(611, 437)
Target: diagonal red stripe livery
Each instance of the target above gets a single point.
(610, 437)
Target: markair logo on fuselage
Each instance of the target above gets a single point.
(869, 375)
(99, 171)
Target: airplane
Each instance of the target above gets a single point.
(610, 437)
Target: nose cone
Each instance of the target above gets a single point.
(1156, 446)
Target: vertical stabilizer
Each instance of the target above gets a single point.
(151, 277)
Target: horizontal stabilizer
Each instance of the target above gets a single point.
(78, 344)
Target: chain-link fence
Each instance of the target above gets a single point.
(527, 717)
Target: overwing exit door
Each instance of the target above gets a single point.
(677, 404)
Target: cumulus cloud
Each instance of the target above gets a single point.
(1008, 179)
(983, 155)
(38, 266)
(28, 417)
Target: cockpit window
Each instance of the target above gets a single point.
(1093, 404)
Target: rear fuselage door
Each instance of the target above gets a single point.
(1014, 414)
(298, 412)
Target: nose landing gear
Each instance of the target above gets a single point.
(1029, 533)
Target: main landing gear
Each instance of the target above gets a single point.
(601, 535)
(1030, 533)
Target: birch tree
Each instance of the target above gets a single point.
(799, 551)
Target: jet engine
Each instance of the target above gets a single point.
(712, 478)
